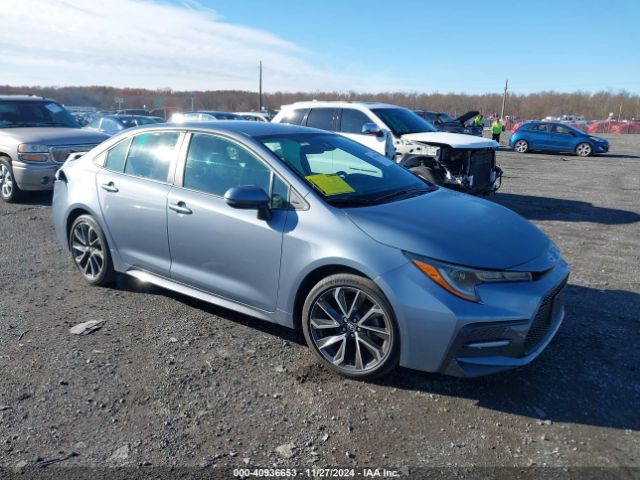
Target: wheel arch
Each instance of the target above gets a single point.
(311, 280)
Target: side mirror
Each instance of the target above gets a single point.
(249, 197)
(372, 129)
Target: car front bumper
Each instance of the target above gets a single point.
(601, 148)
(34, 176)
(440, 332)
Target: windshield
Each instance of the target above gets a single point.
(34, 114)
(343, 171)
(401, 121)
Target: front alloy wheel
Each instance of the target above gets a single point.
(9, 191)
(89, 250)
(350, 327)
(583, 150)
(521, 146)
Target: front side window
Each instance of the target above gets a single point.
(321, 118)
(214, 165)
(341, 170)
(352, 121)
(150, 155)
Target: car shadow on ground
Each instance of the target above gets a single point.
(589, 374)
(36, 198)
(545, 208)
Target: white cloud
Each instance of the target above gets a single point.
(141, 43)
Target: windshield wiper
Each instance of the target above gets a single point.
(413, 192)
(350, 201)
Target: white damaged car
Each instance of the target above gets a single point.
(458, 161)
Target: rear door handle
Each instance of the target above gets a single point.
(109, 187)
(180, 207)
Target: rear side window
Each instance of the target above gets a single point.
(352, 121)
(321, 118)
(150, 155)
(295, 117)
(117, 156)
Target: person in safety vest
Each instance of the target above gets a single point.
(478, 121)
(496, 129)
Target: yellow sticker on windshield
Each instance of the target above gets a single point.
(330, 184)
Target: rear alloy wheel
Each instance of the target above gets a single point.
(583, 150)
(9, 191)
(350, 327)
(521, 146)
(90, 251)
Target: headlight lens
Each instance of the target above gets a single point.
(462, 281)
(32, 148)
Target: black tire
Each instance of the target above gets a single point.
(385, 322)
(584, 149)
(85, 233)
(429, 174)
(10, 192)
(521, 146)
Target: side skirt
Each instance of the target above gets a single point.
(183, 289)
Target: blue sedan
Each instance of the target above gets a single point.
(556, 137)
(314, 231)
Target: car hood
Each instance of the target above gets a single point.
(53, 136)
(467, 116)
(456, 228)
(455, 140)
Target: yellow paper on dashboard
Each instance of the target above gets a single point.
(330, 184)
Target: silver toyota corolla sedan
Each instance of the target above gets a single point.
(311, 230)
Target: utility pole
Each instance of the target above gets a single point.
(620, 112)
(260, 89)
(504, 98)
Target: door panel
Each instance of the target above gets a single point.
(225, 251)
(222, 250)
(135, 211)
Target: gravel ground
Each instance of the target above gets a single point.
(173, 382)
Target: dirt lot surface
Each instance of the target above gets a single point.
(173, 382)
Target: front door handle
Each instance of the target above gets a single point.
(109, 187)
(180, 207)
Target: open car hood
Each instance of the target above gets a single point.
(455, 140)
(467, 116)
(455, 228)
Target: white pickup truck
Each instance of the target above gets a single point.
(462, 162)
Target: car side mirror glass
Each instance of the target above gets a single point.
(249, 197)
(371, 129)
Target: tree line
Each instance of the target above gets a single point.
(530, 106)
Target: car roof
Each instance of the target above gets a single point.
(212, 112)
(119, 116)
(26, 98)
(251, 129)
(339, 104)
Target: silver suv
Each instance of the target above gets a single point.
(36, 136)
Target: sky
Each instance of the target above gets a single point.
(345, 45)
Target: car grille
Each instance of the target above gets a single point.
(481, 168)
(543, 321)
(60, 153)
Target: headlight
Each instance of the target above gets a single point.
(32, 148)
(462, 281)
